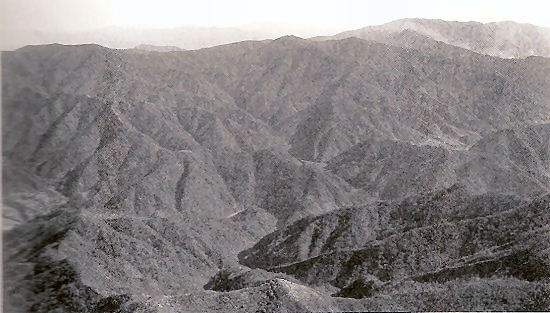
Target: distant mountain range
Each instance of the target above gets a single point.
(502, 39)
(400, 173)
(125, 38)
(158, 48)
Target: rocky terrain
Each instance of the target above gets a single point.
(276, 175)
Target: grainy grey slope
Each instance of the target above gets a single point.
(507, 161)
(502, 39)
(134, 176)
(425, 243)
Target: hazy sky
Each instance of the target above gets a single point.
(298, 15)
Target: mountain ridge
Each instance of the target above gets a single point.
(505, 39)
(143, 179)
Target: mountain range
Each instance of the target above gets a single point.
(502, 39)
(398, 167)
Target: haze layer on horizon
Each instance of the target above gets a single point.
(267, 19)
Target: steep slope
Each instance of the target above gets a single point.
(507, 161)
(136, 175)
(434, 240)
(502, 39)
(352, 228)
(510, 160)
(341, 77)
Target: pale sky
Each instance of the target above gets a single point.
(298, 15)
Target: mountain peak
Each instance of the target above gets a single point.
(288, 38)
(501, 39)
